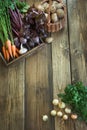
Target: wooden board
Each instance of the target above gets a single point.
(27, 87)
(39, 89)
(61, 69)
(77, 32)
(77, 21)
(12, 96)
(29, 53)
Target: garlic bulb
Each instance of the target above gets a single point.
(65, 117)
(74, 116)
(53, 113)
(55, 102)
(59, 114)
(45, 118)
(67, 110)
(62, 105)
(22, 50)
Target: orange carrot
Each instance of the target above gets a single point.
(7, 55)
(8, 44)
(16, 55)
(4, 51)
(17, 50)
(13, 50)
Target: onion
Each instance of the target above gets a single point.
(65, 117)
(67, 110)
(74, 116)
(53, 113)
(59, 114)
(55, 102)
(45, 118)
(62, 105)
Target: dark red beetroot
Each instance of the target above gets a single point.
(29, 30)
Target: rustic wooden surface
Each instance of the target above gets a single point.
(28, 86)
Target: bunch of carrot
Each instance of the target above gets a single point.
(9, 50)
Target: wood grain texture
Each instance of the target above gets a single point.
(77, 11)
(38, 90)
(16, 98)
(4, 92)
(77, 21)
(12, 96)
(61, 70)
(27, 87)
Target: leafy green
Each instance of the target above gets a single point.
(76, 96)
(22, 6)
(5, 25)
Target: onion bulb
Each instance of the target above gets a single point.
(53, 113)
(67, 110)
(45, 118)
(62, 105)
(59, 114)
(65, 117)
(55, 102)
(74, 116)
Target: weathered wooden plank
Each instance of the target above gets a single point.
(16, 84)
(4, 92)
(38, 89)
(77, 14)
(61, 70)
(77, 30)
(12, 96)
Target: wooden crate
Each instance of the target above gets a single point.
(30, 52)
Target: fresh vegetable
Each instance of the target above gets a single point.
(53, 112)
(6, 36)
(65, 117)
(16, 21)
(22, 6)
(74, 116)
(20, 32)
(55, 102)
(59, 114)
(67, 110)
(55, 9)
(8, 45)
(7, 55)
(75, 95)
(45, 118)
(60, 13)
(22, 50)
(62, 105)
(4, 51)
